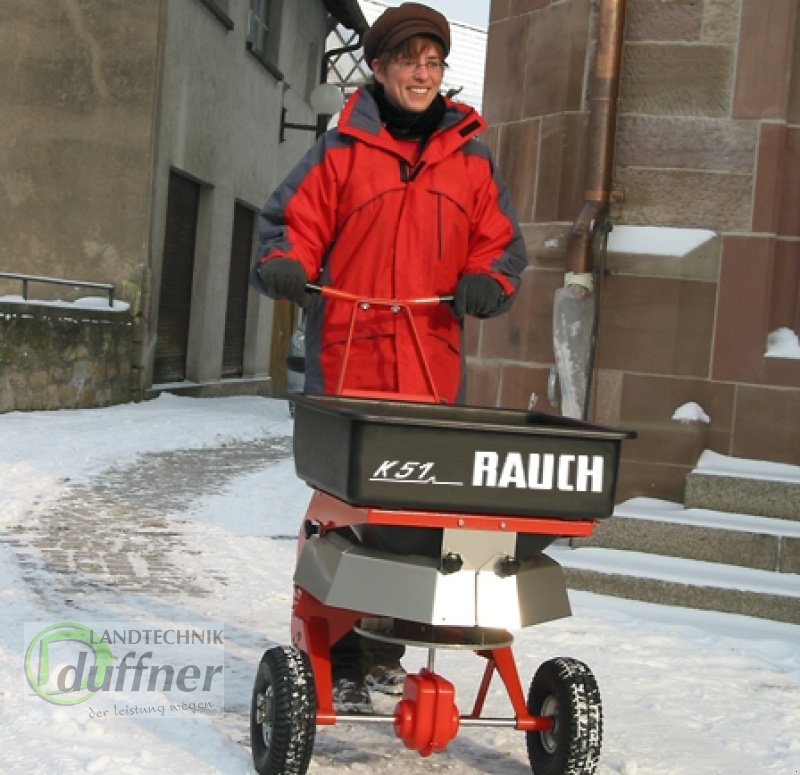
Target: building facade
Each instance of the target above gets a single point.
(138, 142)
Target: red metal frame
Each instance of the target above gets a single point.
(330, 513)
(397, 306)
(315, 628)
(426, 719)
(502, 661)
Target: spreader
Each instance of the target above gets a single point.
(427, 527)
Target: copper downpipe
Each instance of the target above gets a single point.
(602, 136)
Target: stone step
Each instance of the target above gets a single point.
(660, 528)
(761, 497)
(681, 582)
(730, 484)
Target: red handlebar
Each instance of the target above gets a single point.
(396, 306)
(333, 293)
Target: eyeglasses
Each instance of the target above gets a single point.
(410, 65)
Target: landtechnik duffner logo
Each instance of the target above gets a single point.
(126, 669)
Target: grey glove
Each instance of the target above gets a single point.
(477, 294)
(284, 278)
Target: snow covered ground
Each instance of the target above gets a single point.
(183, 510)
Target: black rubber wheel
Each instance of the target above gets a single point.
(283, 713)
(566, 690)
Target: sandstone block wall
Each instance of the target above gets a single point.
(708, 137)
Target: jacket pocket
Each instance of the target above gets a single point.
(452, 227)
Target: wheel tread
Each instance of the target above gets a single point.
(580, 714)
(294, 713)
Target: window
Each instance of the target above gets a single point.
(263, 34)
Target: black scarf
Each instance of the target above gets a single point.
(405, 125)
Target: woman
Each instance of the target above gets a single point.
(399, 201)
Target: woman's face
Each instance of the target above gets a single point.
(411, 83)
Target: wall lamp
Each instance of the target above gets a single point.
(325, 99)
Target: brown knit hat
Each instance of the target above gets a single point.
(395, 25)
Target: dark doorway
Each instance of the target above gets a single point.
(177, 271)
(238, 275)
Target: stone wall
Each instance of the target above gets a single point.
(59, 357)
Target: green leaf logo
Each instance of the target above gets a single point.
(73, 683)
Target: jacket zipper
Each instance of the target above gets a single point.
(408, 174)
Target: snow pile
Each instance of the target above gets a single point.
(689, 413)
(783, 343)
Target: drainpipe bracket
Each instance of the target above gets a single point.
(584, 279)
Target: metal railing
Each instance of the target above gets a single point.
(25, 279)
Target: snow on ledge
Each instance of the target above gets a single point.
(689, 413)
(783, 343)
(86, 302)
(657, 240)
(714, 464)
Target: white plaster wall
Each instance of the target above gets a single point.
(218, 122)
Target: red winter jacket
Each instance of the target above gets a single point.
(360, 215)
